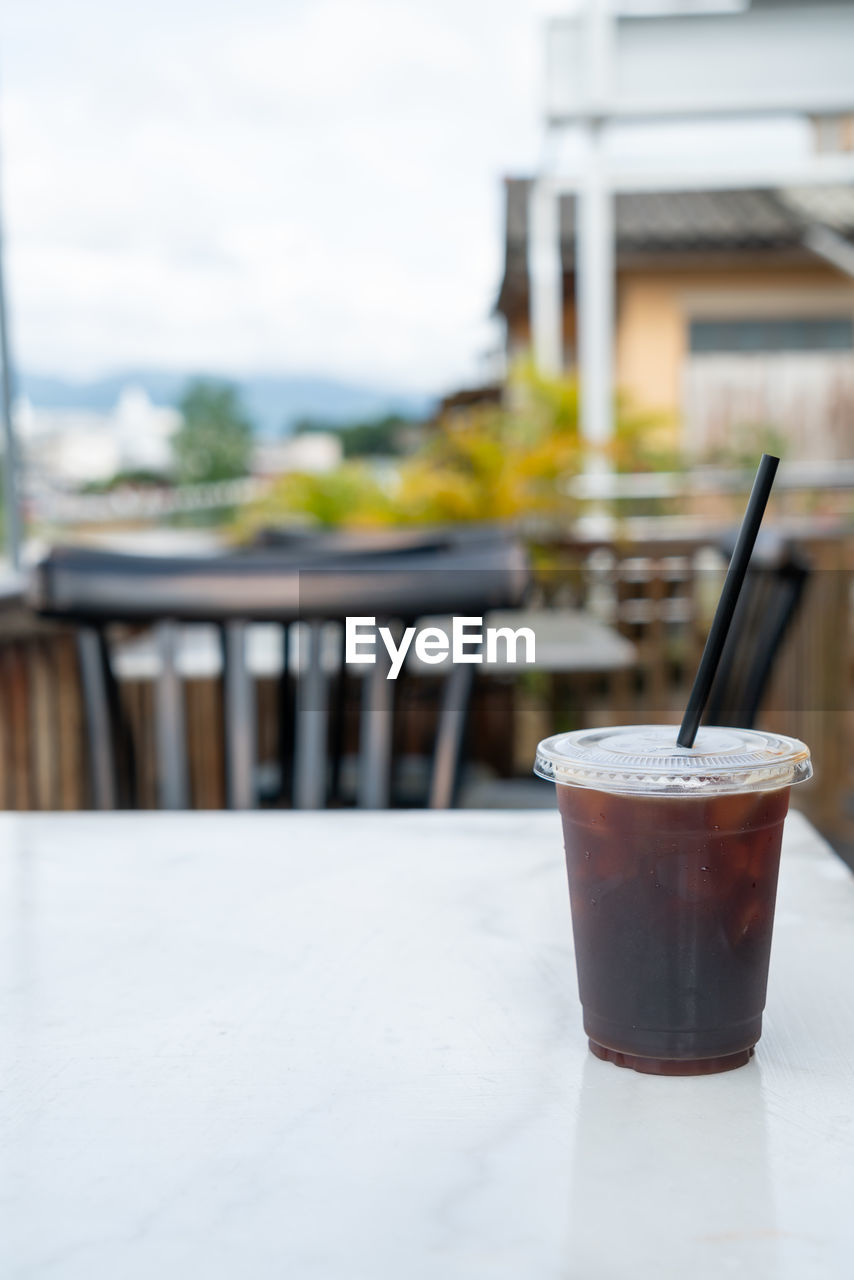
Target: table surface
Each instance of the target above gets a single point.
(349, 1046)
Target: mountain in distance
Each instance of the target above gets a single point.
(273, 402)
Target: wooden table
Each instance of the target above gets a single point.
(348, 1046)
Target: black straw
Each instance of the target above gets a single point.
(729, 598)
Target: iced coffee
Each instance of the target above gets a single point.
(672, 858)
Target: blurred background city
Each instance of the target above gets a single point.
(315, 309)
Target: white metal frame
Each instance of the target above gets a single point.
(594, 184)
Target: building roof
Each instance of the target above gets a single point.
(654, 228)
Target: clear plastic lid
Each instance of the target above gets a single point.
(644, 759)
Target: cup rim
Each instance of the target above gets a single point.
(724, 760)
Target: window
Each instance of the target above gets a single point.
(808, 333)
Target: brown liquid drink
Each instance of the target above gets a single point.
(672, 859)
(672, 913)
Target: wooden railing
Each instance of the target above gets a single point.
(661, 593)
(43, 755)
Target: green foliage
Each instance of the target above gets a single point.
(644, 441)
(214, 441)
(133, 479)
(377, 437)
(347, 495)
(496, 462)
(485, 462)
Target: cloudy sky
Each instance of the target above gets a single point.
(281, 185)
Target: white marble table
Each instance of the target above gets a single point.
(348, 1047)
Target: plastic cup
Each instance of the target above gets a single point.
(672, 857)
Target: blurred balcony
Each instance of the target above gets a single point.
(654, 579)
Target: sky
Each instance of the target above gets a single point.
(270, 185)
